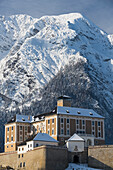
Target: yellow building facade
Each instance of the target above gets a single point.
(61, 123)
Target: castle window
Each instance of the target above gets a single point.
(48, 131)
(12, 128)
(20, 127)
(83, 122)
(48, 122)
(83, 127)
(93, 133)
(25, 137)
(99, 134)
(37, 145)
(30, 145)
(67, 120)
(98, 123)
(11, 138)
(22, 155)
(52, 120)
(25, 128)
(20, 138)
(77, 122)
(35, 129)
(22, 149)
(7, 139)
(11, 145)
(67, 131)
(19, 149)
(52, 131)
(24, 164)
(7, 146)
(8, 129)
(62, 131)
(18, 156)
(62, 120)
(93, 123)
(21, 164)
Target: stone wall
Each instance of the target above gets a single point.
(82, 157)
(41, 158)
(101, 157)
(8, 159)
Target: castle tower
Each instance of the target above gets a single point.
(64, 101)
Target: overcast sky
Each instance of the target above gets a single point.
(98, 11)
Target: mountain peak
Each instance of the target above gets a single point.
(53, 52)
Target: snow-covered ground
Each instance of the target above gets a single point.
(73, 166)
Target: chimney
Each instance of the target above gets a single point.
(28, 117)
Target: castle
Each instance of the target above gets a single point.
(61, 123)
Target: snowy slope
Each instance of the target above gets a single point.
(34, 51)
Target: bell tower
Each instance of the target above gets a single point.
(64, 101)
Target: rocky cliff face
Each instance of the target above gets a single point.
(41, 59)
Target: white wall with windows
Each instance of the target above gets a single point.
(30, 145)
(22, 149)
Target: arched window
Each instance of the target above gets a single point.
(89, 143)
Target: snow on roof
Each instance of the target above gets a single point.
(75, 137)
(23, 118)
(44, 137)
(77, 112)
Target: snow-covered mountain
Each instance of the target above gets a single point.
(43, 58)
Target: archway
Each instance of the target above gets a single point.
(89, 142)
(75, 159)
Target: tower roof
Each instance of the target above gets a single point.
(75, 137)
(64, 97)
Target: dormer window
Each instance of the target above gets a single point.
(23, 119)
(90, 113)
(78, 112)
(67, 111)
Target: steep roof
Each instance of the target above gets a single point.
(78, 112)
(44, 137)
(75, 137)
